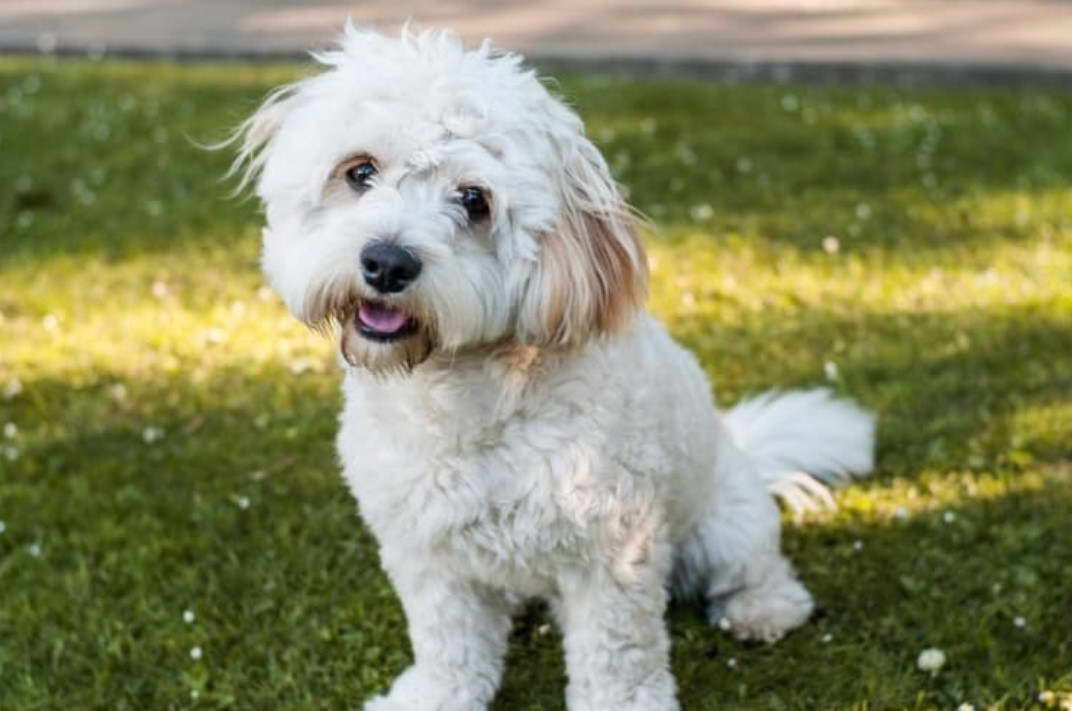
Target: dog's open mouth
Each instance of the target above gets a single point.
(377, 321)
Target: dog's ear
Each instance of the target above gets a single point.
(591, 276)
(255, 134)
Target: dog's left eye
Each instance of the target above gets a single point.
(359, 176)
(474, 202)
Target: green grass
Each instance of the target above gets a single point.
(130, 300)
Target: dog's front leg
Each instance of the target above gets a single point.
(458, 630)
(617, 646)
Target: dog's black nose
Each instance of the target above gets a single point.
(388, 268)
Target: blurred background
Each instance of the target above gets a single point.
(873, 196)
(982, 33)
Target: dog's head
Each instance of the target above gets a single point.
(429, 199)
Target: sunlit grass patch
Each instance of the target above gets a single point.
(165, 427)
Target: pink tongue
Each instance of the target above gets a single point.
(381, 318)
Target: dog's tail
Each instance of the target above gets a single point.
(803, 441)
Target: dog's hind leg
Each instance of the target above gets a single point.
(786, 444)
(733, 557)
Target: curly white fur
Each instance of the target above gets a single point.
(535, 434)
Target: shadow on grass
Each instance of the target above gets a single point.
(103, 157)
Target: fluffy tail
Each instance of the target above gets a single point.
(803, 441)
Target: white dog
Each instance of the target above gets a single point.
(515, 425)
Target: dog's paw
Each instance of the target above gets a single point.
(419, 689)
(383, 703)
(764, 613)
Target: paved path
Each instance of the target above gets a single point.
(1001, 34)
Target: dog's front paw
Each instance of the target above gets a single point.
(420, 689)
(397, 702)
(383, 703)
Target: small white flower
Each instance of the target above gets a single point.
(831, 244)
(830, 370)
(11, 431)
(12, 388)
(188, 617)
(195, 694)
(3, 526)
(242, 502)
(159, 289)
(965, 707)
(857, 545)
(301, 365)
(195, 653)
(827, 638)
(701, 212)
(731, 662)
(151, 434)
(724, 624)
(50, 322)
(949, 517)
(686, 154)
(1019, 622)
(34, 549)
(931, 660)
(543, 630)
(118, 392)
(900, 513)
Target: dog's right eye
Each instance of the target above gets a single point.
(359, 176)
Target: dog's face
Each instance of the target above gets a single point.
(430, 200)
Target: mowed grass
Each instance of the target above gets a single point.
(170, 438)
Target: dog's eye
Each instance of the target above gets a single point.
(474, 202)
(359, 176)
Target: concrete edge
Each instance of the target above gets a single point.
(727, 70)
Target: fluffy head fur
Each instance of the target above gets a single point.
(556, 261)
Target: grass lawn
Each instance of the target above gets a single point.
(167, 428)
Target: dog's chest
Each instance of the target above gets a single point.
(495, 494)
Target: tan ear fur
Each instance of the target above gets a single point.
(592, 273)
